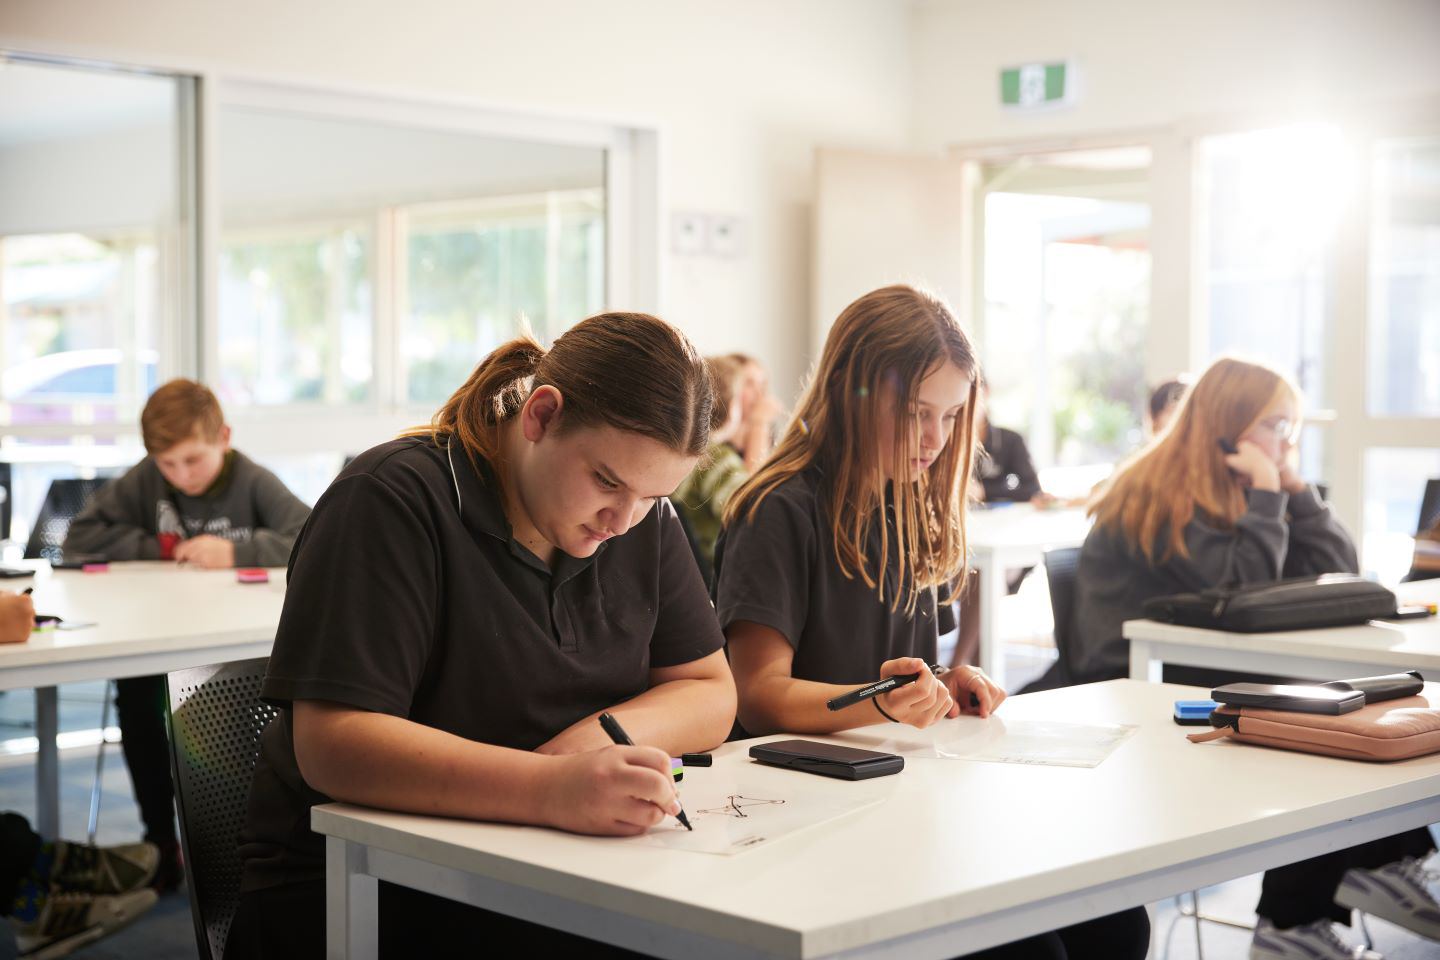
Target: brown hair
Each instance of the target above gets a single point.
(630, 371)
(725, 373)
(177, 411)
(895, 335)
(1183, 472)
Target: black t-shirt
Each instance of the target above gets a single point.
(1004, 466)
(779, 569)
(401, 603)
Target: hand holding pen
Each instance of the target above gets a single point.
(907, 692)
(617, 733)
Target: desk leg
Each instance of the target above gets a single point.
(1140, 656)
(992, 594)
(47, 763)
(351, 903)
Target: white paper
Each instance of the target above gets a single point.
(733, 815)
(1047, 742)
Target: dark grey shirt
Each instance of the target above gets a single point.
(1114, 579)
(249, 506)
(779, 569)
(403, 601)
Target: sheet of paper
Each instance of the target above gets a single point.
(733, 815)
(1049, 742)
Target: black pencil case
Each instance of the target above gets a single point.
(1333, 600)
(827, 759)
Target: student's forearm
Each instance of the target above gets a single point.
(115, 541)
(681, 716)
(384, 761)
(782, 704)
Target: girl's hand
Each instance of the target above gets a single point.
(1254, 466)
(920, 703)
(613, 791)
(1290, 480)
(965, 682)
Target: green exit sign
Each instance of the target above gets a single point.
(1035, 85)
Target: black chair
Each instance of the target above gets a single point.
(1429, 517)
(216, 721)
(63, 501)
(7, 496)
(1060, 567)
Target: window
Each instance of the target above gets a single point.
(370, 264)
(475, 271)
(295, 320)
(1067, 287)
(1404, 330)
(1272, 199)
(94, 264)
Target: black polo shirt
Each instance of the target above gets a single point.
(779, 569)
(400, 603)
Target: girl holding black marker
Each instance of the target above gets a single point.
(1216, 501)
(462, 606)
(828, 569)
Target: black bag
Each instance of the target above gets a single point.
(1332, 600)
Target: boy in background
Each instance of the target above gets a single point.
(192, 500)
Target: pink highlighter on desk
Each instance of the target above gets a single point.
(252, 575)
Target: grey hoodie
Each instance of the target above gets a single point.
(248, 506)
(1114, 579)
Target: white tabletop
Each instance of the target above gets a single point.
(959, 855)
(1012, 535)
(1334, 653)
(143, 614)
(1022, 526)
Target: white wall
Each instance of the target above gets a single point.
(742, 92)
(1143, 63)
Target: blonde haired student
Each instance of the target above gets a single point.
(832, 554)
(1215, 500)
(462, 606)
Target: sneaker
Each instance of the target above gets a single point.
(82, 868)
(1312, 941)
(68, 921)
(1398, 892)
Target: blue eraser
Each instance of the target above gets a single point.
(1195, 709)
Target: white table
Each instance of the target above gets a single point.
(1005, 537)
(1335, 653)
(957, 857)
(148, 618)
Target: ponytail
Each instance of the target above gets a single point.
(630, 371)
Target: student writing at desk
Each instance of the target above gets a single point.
(464, 604)
(193, 500)
(1215, 501)
(831, 557)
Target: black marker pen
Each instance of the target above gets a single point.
(617, 733)
(881, 686)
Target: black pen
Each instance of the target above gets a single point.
(881, 686)
(618, 734)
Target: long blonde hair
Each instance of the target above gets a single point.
(1182, 473)
(892, 336)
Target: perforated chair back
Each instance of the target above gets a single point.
(63, 501)
(216, 721)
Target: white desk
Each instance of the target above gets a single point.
(1381, 646)
(1003, 538)
(957, 857)
(148, 618)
